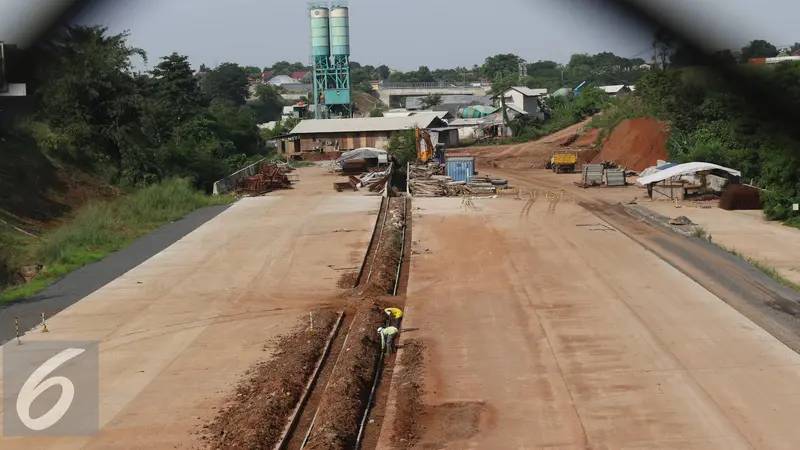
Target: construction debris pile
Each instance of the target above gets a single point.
(270, 176)
(429, 180)
(376, 180)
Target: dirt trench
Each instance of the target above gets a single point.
(255, 415)
(258, 413)
(346, 398)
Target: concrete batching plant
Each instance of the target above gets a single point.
(330, 50)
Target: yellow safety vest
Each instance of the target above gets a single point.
(395, 312)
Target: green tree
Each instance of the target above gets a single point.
(383, 72)
(430, 101)
(403, 147)
(253, 71)
(88, 94)
(501, 68)
(174, 97)
(268, 104)
(795, 47)
(758, 48)
(228, 81)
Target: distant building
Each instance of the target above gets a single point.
(300, 76)
(290, 84)
(617, 90)
(340, 135)
(296, 111)
(280, 80)
(523, 99)
(469, 128)
(450, 103)
(775, 60)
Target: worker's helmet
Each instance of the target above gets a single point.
(388, 313)
(380, 329)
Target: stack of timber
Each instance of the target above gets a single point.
(429, 180)
(375, 181)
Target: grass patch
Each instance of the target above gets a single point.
(620, 109)
(101, 228)
(767, 270)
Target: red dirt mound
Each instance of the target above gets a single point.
(587, 139)
(586, 156)
(635, 144)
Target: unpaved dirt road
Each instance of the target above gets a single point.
(558, 331)
(177, 332)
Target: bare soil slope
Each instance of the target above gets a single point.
(635, 144)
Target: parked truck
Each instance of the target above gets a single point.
(563, 162)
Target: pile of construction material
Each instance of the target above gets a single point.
(270, 176)
(429, 180)
(374, 180)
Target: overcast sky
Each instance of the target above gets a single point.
(409, 33)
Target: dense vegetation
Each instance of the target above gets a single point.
(709, 121)
(159, 136)
(502, 70)
(93, 110)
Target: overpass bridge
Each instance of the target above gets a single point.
(391, 93)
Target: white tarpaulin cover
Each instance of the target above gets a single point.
(364, 152)
(682, 169)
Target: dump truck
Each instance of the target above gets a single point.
(563, 162)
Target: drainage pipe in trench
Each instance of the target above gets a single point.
(379, 368)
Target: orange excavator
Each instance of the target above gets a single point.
(424, 152)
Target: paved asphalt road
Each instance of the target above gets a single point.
(82, 282)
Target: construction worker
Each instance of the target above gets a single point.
(393, 315)
(388, 335)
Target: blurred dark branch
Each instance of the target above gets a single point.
(25, 60)
(766, 100)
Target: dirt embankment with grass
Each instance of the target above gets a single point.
(78, 221)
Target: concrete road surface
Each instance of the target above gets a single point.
(177, 332)
(575, 337)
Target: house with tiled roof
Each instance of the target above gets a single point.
(300, 76)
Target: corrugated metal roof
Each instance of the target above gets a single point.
(465, 122)
(612, 89)
(515, 108)
(319, 126)
(526, 91)
(281, 79)
(397, 113)
(530, 92)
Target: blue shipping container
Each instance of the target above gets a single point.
(460, 168)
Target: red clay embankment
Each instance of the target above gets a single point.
(635, 144)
